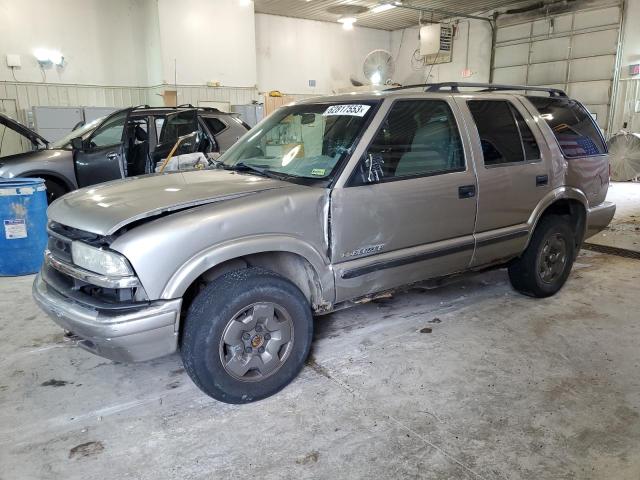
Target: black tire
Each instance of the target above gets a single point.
(55, 190)
(228, 305)
(531, 273)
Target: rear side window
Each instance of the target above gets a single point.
(504, 135)
(573, 126)
(215, 125)
(177, 125)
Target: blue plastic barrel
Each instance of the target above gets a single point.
(23, 225)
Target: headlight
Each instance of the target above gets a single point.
(99, 261)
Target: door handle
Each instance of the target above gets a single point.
(542, 180)
(112, 155)
(467, 191)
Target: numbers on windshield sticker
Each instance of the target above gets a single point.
(352, 110)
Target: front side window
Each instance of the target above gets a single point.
(306, 141)
(110, 133)
(417, 138)
(574, 127)
(504, 135)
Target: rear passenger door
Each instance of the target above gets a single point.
(513, 174)
(407, 211)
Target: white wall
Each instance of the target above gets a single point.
(405, 42)
(100, 40)
(211, 40)
(290, 52)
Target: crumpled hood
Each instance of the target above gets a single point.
(104, 209)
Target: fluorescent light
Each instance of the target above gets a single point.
(347, 22)
(383, 7)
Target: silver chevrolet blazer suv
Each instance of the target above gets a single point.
(327, 203)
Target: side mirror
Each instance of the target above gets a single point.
(77, 143)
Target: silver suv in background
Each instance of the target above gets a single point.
(325, 203)
(127, 143)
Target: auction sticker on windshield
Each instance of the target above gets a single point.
(353, 110)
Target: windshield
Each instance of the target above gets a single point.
(303, 141)
(84, 132)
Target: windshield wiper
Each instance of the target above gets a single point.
(259, 169)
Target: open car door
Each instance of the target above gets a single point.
(100, 157)
(170, 128)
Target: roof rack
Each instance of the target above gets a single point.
(487, 87)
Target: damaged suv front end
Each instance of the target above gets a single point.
(93, 292)
(104, 284)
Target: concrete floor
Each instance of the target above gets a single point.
(624, 230)
(498, 386)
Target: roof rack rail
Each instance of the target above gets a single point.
(188, 105)
(487, 87)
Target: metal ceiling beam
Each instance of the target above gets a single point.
(441, 12)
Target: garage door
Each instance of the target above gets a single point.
(575, 51)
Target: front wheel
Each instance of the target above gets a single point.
(54, 190)
(247, 335)
(545, 265)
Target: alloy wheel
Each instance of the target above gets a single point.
(256, 342)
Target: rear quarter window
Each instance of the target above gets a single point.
(574, 127)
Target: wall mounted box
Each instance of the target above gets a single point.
(13, 61)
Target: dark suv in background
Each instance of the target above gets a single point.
(127, 143)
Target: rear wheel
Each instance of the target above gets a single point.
(546, 263)
(246, 336)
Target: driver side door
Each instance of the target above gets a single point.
(102, 156)
(408, 211)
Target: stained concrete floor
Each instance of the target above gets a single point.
(624, 231)
(471, 380)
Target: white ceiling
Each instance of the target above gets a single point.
(389, 20)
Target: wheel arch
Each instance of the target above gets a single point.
(292, 258)
(47, 174)
(566, 201)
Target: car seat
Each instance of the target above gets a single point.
(430, 149)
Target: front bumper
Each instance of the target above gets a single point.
(130, 335)
(599, 217)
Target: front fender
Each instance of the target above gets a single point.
(239, 247)
(56, 164)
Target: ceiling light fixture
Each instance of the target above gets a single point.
(347, 22)
(383, 7)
